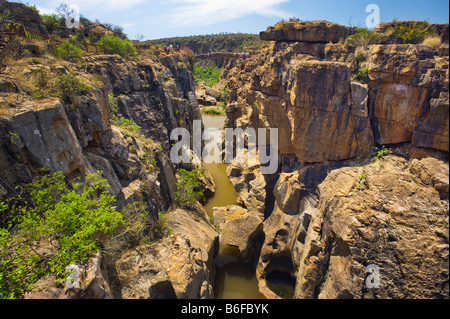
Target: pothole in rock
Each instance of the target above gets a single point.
(281, 283)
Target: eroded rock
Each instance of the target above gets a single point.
(238, 228)
(380, 215)
(249, 183)
(180, 266)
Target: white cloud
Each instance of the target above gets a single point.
(208, 12)
(127, 25)
(98, 5)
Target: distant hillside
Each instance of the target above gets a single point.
(215, 43)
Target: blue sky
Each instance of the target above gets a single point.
(168, 18)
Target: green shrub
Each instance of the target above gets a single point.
(383, 151)
(51, 21)
(41, 80)
(116, 45)
(129, 126)
(68, 51)
(208, 73)
(414, 32)
(70, 221)
(14, 138)
(362, 74)
(188, 183)
(363, 37)
(214, 111)
(361, 55)
(70, 88)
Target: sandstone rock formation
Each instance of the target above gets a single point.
(391, 213)
(25, 15)
(408, 95)
(83, 138)
(238, 228)
(284, 231)
(307, 31)
(309, 100)
(180, 266)
(305, 89)
(48, 138)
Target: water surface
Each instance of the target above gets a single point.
(235, 279)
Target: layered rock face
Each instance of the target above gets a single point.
(408, 95)
(309, 100)
(304, 89)
(307, 31)
(25, 15)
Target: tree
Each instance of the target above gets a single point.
(139, 37)
(71, 221)
(188, 185)
(116, 45)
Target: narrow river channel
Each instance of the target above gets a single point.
(235, 279)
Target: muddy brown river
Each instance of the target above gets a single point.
(235, 279)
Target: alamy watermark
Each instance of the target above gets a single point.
(262, 146)
(73, 279)
(373, 277)
(373, 19)
(71, 14)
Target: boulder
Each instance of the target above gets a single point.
(249, 184)
(287, 193)
(178, 267)
(213, 92)
(238, 228)
(93, 284)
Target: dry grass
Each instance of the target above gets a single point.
(361, 54)
(432, 41)
(9, 103)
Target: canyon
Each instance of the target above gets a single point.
(333, 208)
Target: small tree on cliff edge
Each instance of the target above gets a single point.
(188, 183)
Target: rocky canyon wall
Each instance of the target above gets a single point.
(336, 211)
(50, 133)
